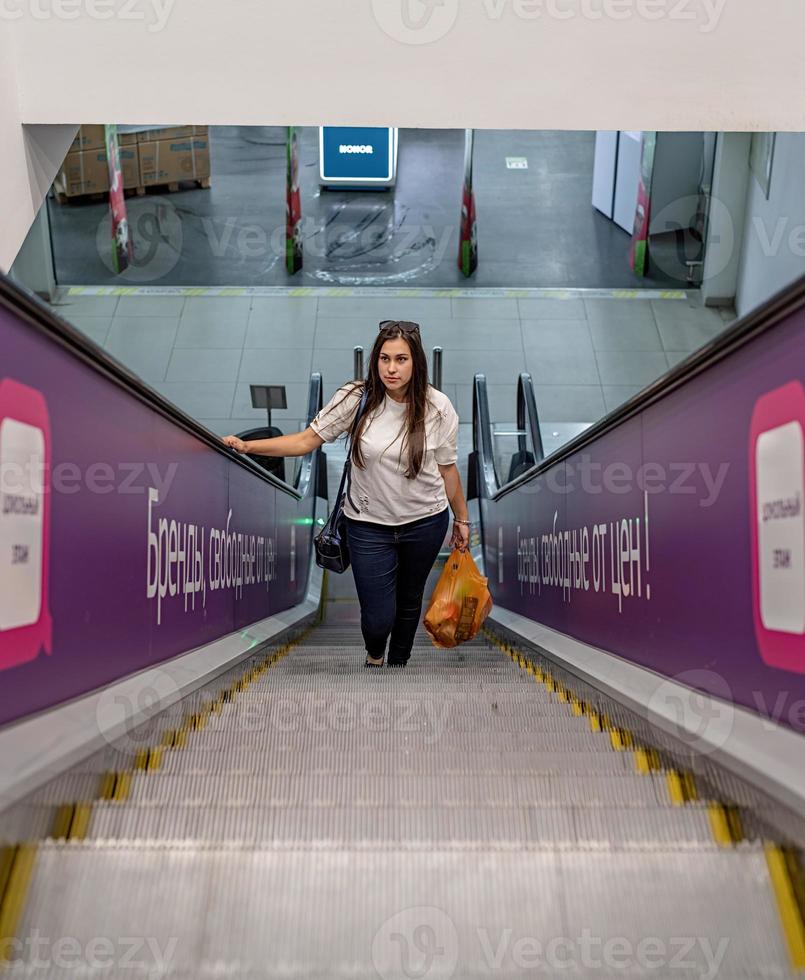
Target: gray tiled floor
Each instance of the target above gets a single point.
(586, 356)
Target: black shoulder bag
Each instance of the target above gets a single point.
(332, 551)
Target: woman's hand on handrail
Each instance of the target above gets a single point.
(295, 444)
(234, 442)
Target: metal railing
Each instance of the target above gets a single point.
(437, 368)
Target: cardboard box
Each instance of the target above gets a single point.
(169, 161)
(89, 138)
(171, 133)
(94, 138)
(86, 172)
(130, 165)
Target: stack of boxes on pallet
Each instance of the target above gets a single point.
(85, 171)
(148, 158)
(167, 156)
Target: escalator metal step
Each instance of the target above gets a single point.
(386, 790)
(404, 762)
(449, 820)
(524, 827)
(248, 912)
(357, 739)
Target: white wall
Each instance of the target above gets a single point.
(532, 64)
(773, 248)
(33, 266)
(29, 159)
(491, 63)
(730, 179)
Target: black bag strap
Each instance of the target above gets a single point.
(345, 477)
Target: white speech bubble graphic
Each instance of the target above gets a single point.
(22, 457)
(779, 468)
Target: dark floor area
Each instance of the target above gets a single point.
(536, 227)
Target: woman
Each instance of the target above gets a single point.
(404, 474)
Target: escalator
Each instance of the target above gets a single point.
(488, 811)
(468, 816)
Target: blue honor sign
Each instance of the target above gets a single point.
(351, 156)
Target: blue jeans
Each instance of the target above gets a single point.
(391, 564)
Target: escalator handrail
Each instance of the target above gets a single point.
(482, 436)
(528, 416)
(758, 321)
(41, 317)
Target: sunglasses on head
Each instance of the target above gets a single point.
(407, 326)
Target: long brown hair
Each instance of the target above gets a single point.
(416, 406)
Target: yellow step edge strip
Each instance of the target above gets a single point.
(725, 824)
(80, 824)
(18, 862)
(647, 760)
(106, 789)
(62, 821)
(725, 820)
(676, 790)
(71, 820)
(681, 787)
(786, 879)
(7, 855)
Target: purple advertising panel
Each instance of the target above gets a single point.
(676, 540)
(124, 539)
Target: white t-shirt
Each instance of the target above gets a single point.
(381, 491)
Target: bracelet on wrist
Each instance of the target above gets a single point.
(456, 520)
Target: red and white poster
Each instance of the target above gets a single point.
(122, 250)
(293, 207)
(468, 232)
(639, 250)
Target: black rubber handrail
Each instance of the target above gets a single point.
(42, 317)
(482, 435)
(746, 329)
(527, 415)
(527, 424)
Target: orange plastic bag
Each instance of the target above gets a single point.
(460, 602)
